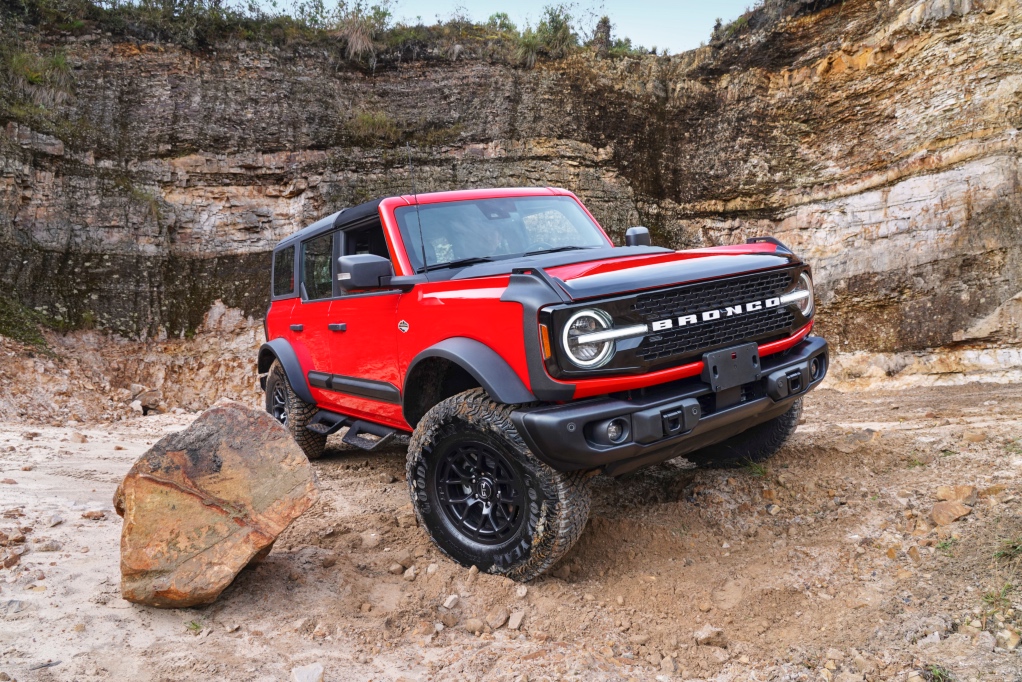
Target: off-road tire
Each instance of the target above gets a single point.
(296, 412)
(757, 444)
(556, 504)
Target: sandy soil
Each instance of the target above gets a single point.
(843, 579)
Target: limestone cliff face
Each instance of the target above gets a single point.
(879, 140)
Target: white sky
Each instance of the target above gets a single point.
(679, 25)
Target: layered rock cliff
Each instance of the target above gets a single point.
(879, 140)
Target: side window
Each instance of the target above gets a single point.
(284, 272)
(366, 240)
(317, 255)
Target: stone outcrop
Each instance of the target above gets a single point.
(202, 503)
(879, 140)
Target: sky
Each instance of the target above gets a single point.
(679, 25)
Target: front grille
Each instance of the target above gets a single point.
(695, 298)
(716, 334)
(685, 340)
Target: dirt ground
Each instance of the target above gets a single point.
(822, 565)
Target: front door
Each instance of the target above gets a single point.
(361, 338)
(362, 358)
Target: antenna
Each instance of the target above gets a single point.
(415, 195)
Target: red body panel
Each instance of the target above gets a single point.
(373, 347)
(463, 308)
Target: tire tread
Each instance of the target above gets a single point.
(299, 414)
(570, 491)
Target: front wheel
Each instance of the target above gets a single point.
(754, 445)
(484, 498)
(294, 413)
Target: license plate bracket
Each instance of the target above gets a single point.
(730, 367)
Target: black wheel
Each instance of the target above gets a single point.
(484, 498)
(293, 412)
(754, 445)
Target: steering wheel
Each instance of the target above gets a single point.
(539, 246)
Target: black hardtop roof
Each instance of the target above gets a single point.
(346, 216)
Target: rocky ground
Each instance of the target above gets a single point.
(825, 564)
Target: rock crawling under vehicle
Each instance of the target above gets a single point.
(523, 352)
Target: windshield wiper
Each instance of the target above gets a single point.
(457, 263)
(558, 248)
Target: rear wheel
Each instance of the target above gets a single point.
(294, 413)
(484, 498)
(754, 445)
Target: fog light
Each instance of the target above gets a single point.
(616, 430)
(816, 368)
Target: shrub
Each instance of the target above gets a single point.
(555, 32)
(527, 48)
(501, 22)
(359, 26)
(42, 80)
(374, 126)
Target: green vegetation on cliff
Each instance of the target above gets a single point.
(20, 323)
(364, 33)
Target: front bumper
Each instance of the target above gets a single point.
(669, 420)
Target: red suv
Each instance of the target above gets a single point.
(524, 352)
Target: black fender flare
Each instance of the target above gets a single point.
(483, 363)
(280, 349)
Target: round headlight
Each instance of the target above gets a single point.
(592, 354)
(805, 304)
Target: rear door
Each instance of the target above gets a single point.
(311, 315)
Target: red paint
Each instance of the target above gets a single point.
(373, 348)
(785, 344)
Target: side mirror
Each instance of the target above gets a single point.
(637, 236)
(364, 271)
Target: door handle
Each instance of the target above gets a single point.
(297, 327)
(337, 327)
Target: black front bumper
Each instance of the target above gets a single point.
(670, 420)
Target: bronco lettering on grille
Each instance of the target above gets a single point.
(715, 314)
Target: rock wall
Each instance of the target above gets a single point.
(879, 140)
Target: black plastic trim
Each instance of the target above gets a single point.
(282, 350)
(319, 380)
(534, 291)
(768, 240)
(557, 433)
(383, 391)
(485, 366)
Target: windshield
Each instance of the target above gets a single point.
(464, 232)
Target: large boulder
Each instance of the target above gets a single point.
(204, 502)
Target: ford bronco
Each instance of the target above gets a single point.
(524, 352)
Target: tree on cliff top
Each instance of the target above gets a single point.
(553, 37)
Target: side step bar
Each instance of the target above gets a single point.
(325, 423)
